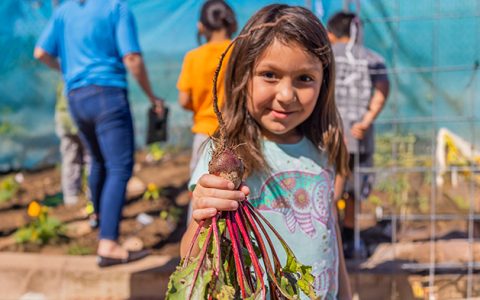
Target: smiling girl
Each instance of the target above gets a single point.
(280, 108)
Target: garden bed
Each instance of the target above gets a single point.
(156, 222)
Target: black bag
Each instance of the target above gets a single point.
(157, 126)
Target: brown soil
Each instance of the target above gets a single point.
(161, 236)
(171, 175)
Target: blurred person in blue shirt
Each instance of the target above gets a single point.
(93, 44)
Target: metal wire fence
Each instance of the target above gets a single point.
(427, 161)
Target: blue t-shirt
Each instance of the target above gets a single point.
(296, 198)
(90, 37)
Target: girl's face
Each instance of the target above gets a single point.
(284, 90)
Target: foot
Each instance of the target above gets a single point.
(103, 261)
(111, 249)
(110, 253)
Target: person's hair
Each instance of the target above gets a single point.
(340, 23)
(290, 25)
(217, 15)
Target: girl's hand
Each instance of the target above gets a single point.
(213, 194)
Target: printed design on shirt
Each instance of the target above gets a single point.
(325, 270)
(324, 281)
(299, 196)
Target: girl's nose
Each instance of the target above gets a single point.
(285, 91)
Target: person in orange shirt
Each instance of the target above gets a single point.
(217, 25)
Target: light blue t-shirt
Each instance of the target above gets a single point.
(296, 198)
(90, 37)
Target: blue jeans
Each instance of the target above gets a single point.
(104, 120)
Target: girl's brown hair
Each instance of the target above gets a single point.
(290, 25)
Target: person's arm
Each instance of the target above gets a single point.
(184, 82)
(44, 57)
(185, 100)
(211, 195)
(135, 65)
(338, 189)
(344, 291)
(380, 94)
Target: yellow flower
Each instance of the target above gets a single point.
(341, 204)
(34, 209)
(89, 209)
(151, 187)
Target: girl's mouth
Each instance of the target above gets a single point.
(280, 114)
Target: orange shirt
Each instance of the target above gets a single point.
(196, 79)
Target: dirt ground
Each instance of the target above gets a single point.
(166, 216)
(154, 224)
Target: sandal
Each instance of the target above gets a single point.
(103, 261)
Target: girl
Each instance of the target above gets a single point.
(280, 109)
(217, 24)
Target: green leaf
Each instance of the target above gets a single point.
(227, 292)
(202, 237)
(221, 226)
(182, 279)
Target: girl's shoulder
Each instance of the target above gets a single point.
(304, 145)
(297, 155)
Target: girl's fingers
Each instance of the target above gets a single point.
(203, 213)
(214, 181)
(221, 194)
(216, 203)
(244, 189)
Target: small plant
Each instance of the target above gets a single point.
(9, 187)
(80, 250)
(173, 214)
(9, 129)
(396, 150)
(155, 152)
(461, 202)
(53, 200)
(42, 229)
(375, 200)
(153, 192)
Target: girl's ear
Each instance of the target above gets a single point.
(201, 28)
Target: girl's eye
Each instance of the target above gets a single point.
(305, 78)
(268, 75)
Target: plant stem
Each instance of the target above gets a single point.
(200, 261)
(215, 95)
(253, 213)
(218, 251)
(251, 251)
(193, 243)
(236, 255)
(245, 268)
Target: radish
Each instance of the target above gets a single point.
(237, 259)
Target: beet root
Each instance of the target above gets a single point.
(226, 164)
